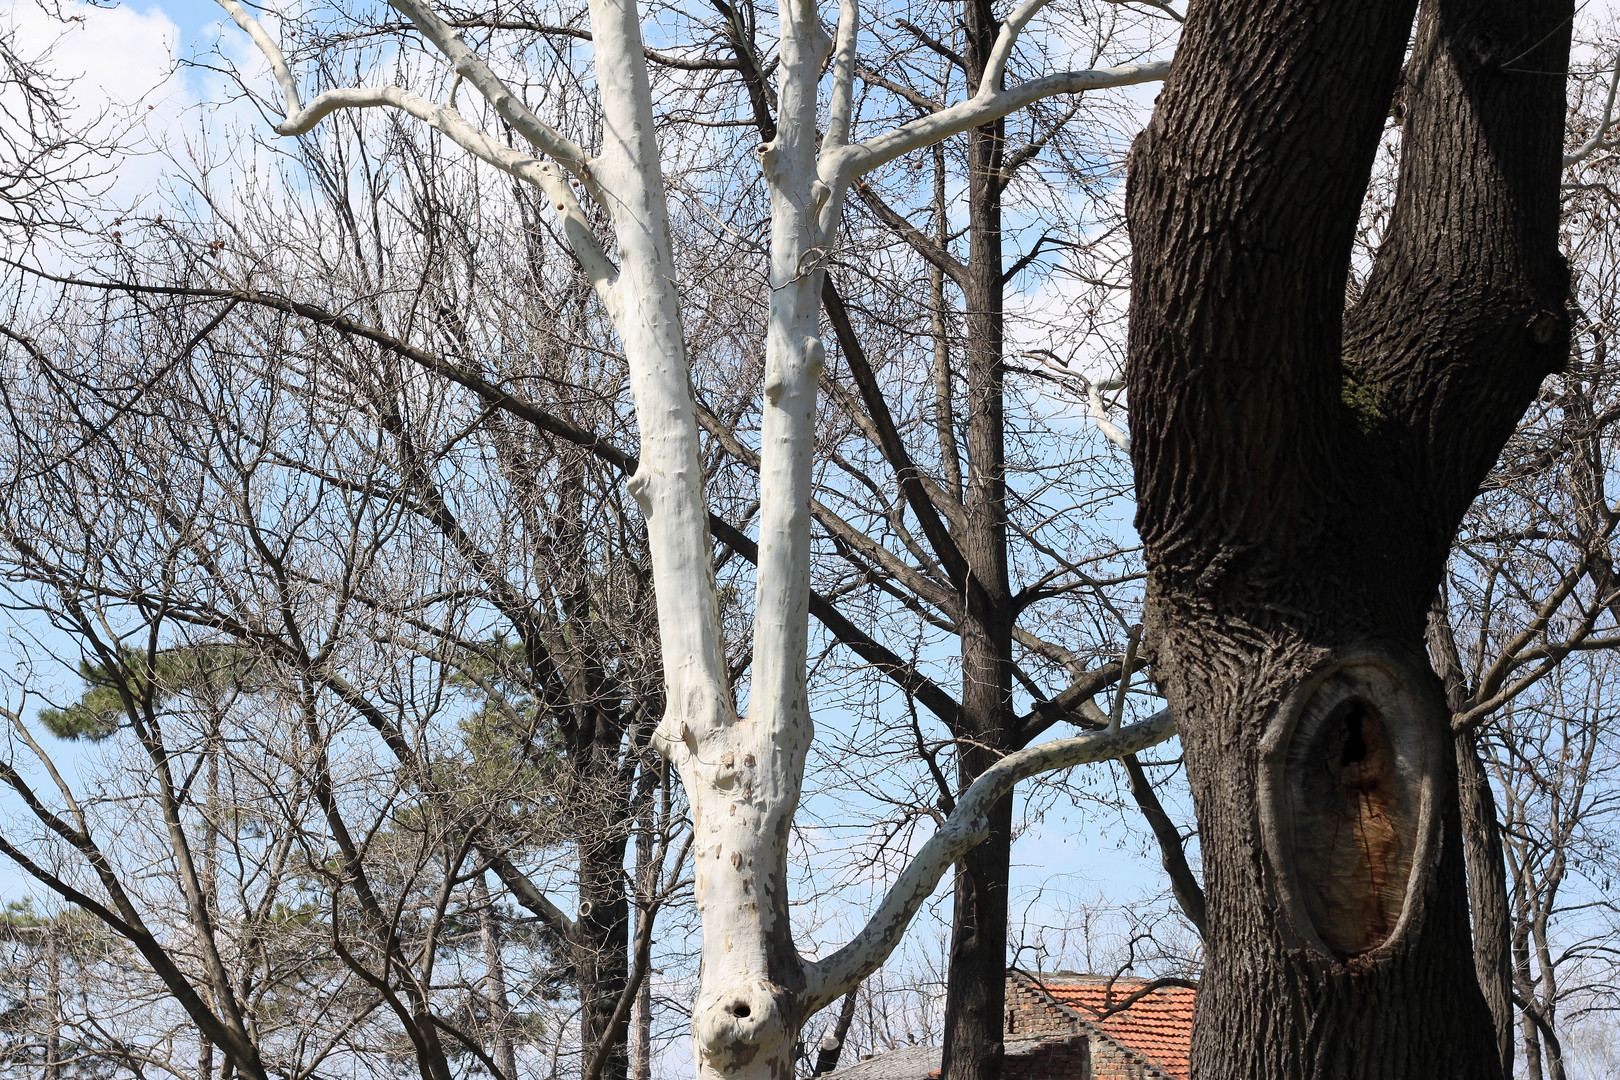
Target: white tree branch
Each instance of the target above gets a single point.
(966, 827)
(466, 63)
(794, 358)
(845, 164)
(1099, 414)
(300, 118)
(1587, 148)
(841, 107)
(272, 53)
(996, 67)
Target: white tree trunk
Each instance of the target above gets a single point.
(742, 774)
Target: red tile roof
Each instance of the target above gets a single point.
(1158, 1027)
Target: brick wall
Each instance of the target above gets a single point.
(1078, 1057)
(1059, 1059)
(1109, 1062)
(1030, 1012)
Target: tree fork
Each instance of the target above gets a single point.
(1301, 474)
(742, 773)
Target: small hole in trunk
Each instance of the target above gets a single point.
(739, 1010)
(1355, 739)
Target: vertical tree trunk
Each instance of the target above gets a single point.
(1487, 893)
(1482, 844)
(210, 885)
(742, 774)
(1300, 477)
(602, 954)
(489, 939)
(53, 999)
(950, 458)
(1521, 968)
(975, 989)
(1546, 1001)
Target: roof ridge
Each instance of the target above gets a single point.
(1040, 988)
(1094, 1026)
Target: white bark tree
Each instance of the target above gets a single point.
(742, 772)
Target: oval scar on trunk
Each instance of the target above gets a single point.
(1352, 761)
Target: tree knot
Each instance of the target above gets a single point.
(1544, 326)
(740, 1024)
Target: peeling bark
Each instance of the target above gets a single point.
(743, 773)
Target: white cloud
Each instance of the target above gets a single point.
(115, 55)
(125, 87)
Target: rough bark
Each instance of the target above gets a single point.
(1482, 845)
(975, 997)
(1300, 476)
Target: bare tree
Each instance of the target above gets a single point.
(51, 154)
(378, 578)
(742, 773)
(1004, 575)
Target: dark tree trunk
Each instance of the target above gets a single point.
(975, 987)
(832, 1046)
(1300, 475)
(1521, 971)
(602, 778)
(975, 999)
(1482, 845)
(1487, 893)
(602, 953)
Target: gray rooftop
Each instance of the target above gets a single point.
(906, 1063)
(916, 1062)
